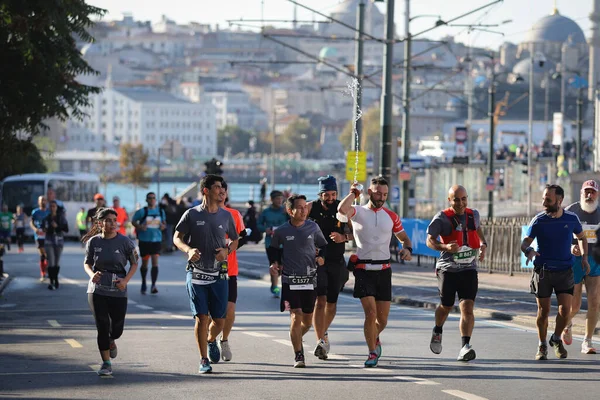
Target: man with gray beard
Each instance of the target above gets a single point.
(589, 214)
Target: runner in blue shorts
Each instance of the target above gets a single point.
(202, 234)
(589, 214)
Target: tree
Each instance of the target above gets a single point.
(299, 137)
(40, 62)
(27, 160)
(134, 170)
(369, 141)
(234, 137)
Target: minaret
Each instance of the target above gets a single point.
(295, 23)
(594, 43)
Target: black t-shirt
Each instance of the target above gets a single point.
(91, 213)
(328, 222)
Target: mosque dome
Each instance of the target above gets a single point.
(556, 28)
(328, 52)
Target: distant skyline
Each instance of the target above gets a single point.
(523, 13)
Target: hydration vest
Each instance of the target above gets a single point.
(467, 236)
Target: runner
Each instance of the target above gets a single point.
(20, 221)
(292, 254)
(202, 234)
(589, 214)
(122, 216)
(37, 216)
(54, 226)
(149, 222)
(332, 277)
(462, 244)
(6, 225)
(553, 265)
(106, 255)
(373, 226)
(99, 200)
(269, 219)
(232, 271)
(81, 219)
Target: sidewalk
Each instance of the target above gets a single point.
(500, 297)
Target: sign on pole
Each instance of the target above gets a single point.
(490, 183)
(461, 154)
(395, 194)
(351, 166)
(404, 172)
(557, 129)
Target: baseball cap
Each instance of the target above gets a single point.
(116, 198)
(591, 184)
(98, 196)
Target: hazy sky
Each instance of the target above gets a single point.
(522, 12)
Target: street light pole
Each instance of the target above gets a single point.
(359, 74)
(580, 127)
(387, 96)
(491, 152)
(273, 146)
(530, 135)
(158, 173)
(404, 193)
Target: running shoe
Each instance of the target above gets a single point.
(276, 291)
(214, 354)
(105, 369)
(558, 347)
(327, 345)
(113, 349)
(567, 336)
(205, 367)
(587, 347)
(371, 361)
(51, 287)
(143, 290)
(299, 361)
(378, 349)
(153, 290)
(56, 283)
(466, 353)
(321, 350)
(436, 343)
(225, 350)
(542, 353)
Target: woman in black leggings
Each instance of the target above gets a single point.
(107, 253)
(55, 226)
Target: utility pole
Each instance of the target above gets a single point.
(580, 127)
(530, 136)
(404, 193)
(158, 173)
(360, 23)
(273, 145)
(387, 97)
(491, 152)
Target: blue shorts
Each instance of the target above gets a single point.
(4, 235)
(578, 272)
(205, 299)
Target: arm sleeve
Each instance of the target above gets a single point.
(231, 230)
(183, 225)
(577, 228)
(89, 260)
(137, 215)
(274, 254)
(397, 228)
(261, 223)
(275, 240)
(435, 227)
(64, 225)
(532, 228)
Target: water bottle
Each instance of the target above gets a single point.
(223, 271)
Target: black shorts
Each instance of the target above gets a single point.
(544, 282)
(41, 243)
(295, 299)
(149, 249)
(331, 278)
(465, 283)
(232, 297)
(376, 284)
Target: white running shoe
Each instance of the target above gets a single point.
(225, 350)
(587, 347)
(466, 353)
(436, 343)
(321, 350)
(567, 335)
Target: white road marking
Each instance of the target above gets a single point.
(8, 305)
(143, 307)
(43, 373)
(54, 323)
(181, 316)
(418, 381)
(463, 395)
(376, 369)
(74, 343)
(257, 334)
(131, 301)
(160, 312)
(283, 341)
(332, 356)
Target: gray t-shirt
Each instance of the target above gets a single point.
(441, 225)
(206, 232)
(590, 223)
(299, 245)
(110, 256)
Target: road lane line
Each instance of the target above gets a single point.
(283, 341)
(143, 307)
(257, 334)
(74, 343)
(131, 302)
(418, 381)
(180, 316)
(8, 305)
(377, 369)
(54, 323)
(43, 373)
(95, 369)
(160, 312)
(463, 395)
(331, 356)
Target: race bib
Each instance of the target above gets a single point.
(301, 282)
(204, 278)
(590, 233)
(374, 267)
(108, 282)
(465, 256)
(153, 222)
(41, 235)
(19, 224)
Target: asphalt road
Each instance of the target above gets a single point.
(48, 349)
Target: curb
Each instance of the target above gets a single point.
(486, 313)
(4, 282)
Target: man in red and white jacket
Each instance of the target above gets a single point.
(373, 226)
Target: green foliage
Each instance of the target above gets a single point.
(40, 62)
(369, 141)
(133, 162)
(25, 158)
(300, 137)
(233, 137)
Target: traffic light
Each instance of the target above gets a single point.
(214, 167)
